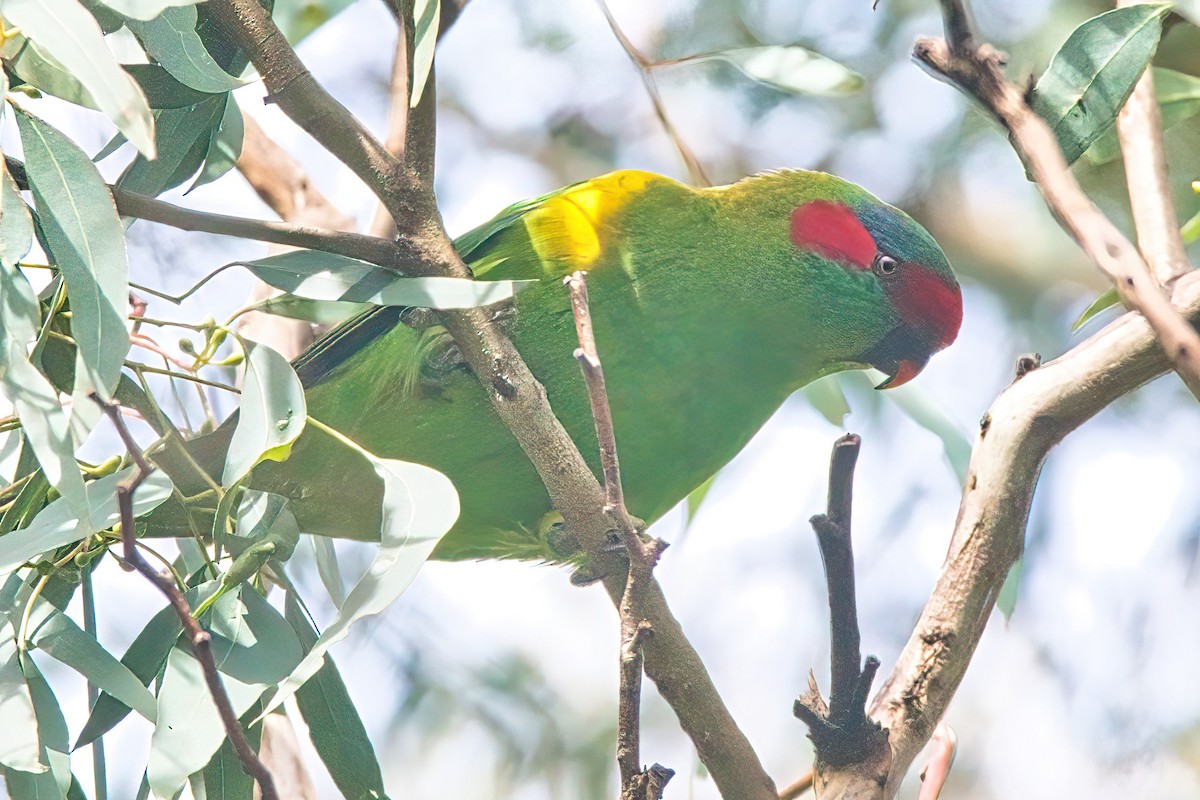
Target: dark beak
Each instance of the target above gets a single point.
(901, 354)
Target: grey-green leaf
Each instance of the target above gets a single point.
(419, 506)
(253, 647)
(87, 243)
(144, 9)
(1092, 75)
(52, 732)
(65, 30)
(172, 40)
(27, 61)
(56, 524)
(272, 414)
(325, 276)
(827, 397)
(299, 18)
(1107, 299)
(926, 412)
(18, 725)
(320, 312)
(792, 69)
(426, 20)
(334, 725)
(57, 635)
(224, 145)
(183, 136)
(1178, 98)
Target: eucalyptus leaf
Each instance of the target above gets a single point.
(57, 525)
(827, 397)
(272, 414)
(35, 400)
(1191, 230)
(1189, 10)
(161, 89)
(183, 136)
(926, 412)
(419, 507)
(51, 730)
(58, 636)
(254, 648)
(426, 20)
(19, 749)
(319, 312)
(87, 242)
(791, 68)
(1178, 98)
(298, 18)
(1107, 299)
(325, 276)
(1092, 75)
(64, 30)
(224, 144)
(696, 497)
(144, 9)
(328, 568)
(172, 40)
(37, 69)
(334, 725)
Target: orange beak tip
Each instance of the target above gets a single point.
(905, 372)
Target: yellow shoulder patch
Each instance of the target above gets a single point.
(568, 229)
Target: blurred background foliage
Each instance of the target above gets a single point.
(497, 680)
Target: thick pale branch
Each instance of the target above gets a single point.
(1024, 423)
(976, 70)
(1139, 127)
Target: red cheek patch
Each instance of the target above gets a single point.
(925, 301)
(834, 231)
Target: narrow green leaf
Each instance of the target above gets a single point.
(223, 777)
(172, 40)
(1006, 600)
(19, 749)
(161, 89)
(419, 506)
(145, 659)
(325, 276)
(144, 9)
(790, 68)
(224, 145)
(1107, 299)
(58, 636)
(87, 242)
(696, 497)
(298, 18)
(1191, 230)
(1092, 75)
(926, 412)
(64, 30)
(36, 402)
(182, 136)
(254, 648)
(426, 20)
(272, 414)
(37, 69)
(827, 397)
(51, 729)
(334, 725)
(1178, 98)
(57, 525)
(320, 312)
(328, 568)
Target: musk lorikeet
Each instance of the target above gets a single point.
(710, 307)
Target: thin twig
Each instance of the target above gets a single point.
(1139, 127)
(200, 639)
(644, 66)
(635, 629)
(848, 743)
(975, 68)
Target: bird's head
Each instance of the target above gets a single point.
(890, 254)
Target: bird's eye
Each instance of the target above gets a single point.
(885, 265)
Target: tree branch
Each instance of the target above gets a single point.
(976, 70)
(1139, 127)
(199, 638)
(518, 399)
(850, 747)
(635, 627)
(1025, 422)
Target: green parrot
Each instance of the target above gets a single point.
(710, 307)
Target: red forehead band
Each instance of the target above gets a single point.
(834, 231)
